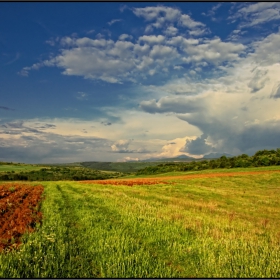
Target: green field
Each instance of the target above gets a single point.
(207, 171)
(19, 167)
(206, 227)
(52, 173)
(127, 167)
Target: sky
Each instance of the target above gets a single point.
(120, 81)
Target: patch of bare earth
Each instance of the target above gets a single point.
(19, 212)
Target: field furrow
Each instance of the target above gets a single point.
(19, 212)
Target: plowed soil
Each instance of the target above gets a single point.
(163, 179)
(19, 212)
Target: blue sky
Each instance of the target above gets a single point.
(129, 81)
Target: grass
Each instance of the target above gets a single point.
(18, 168)
(203, 227)
(207, 171)
(54, 173)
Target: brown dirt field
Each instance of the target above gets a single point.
(162, 180)
(18, 212)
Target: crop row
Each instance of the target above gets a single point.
(19, 212)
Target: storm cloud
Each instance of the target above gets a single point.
(156, 80)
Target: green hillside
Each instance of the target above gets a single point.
(125, 167)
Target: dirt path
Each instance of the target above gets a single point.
(158, 180)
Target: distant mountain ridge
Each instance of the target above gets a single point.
(216, 155)
(178, 158)
(188, 158)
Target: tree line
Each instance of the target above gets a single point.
(260, 158)
(57, 174)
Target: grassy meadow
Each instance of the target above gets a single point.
(207, 171)
(202, 227)
(18, 168)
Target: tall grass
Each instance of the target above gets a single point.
(212, 227)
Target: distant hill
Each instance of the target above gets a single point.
(125, 167)
(187, 158)
(178, 158)
(133, 166)
(217, 155)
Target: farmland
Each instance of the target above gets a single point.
(18, 167)
(19, 212)
(52, 173)
(188, 226)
